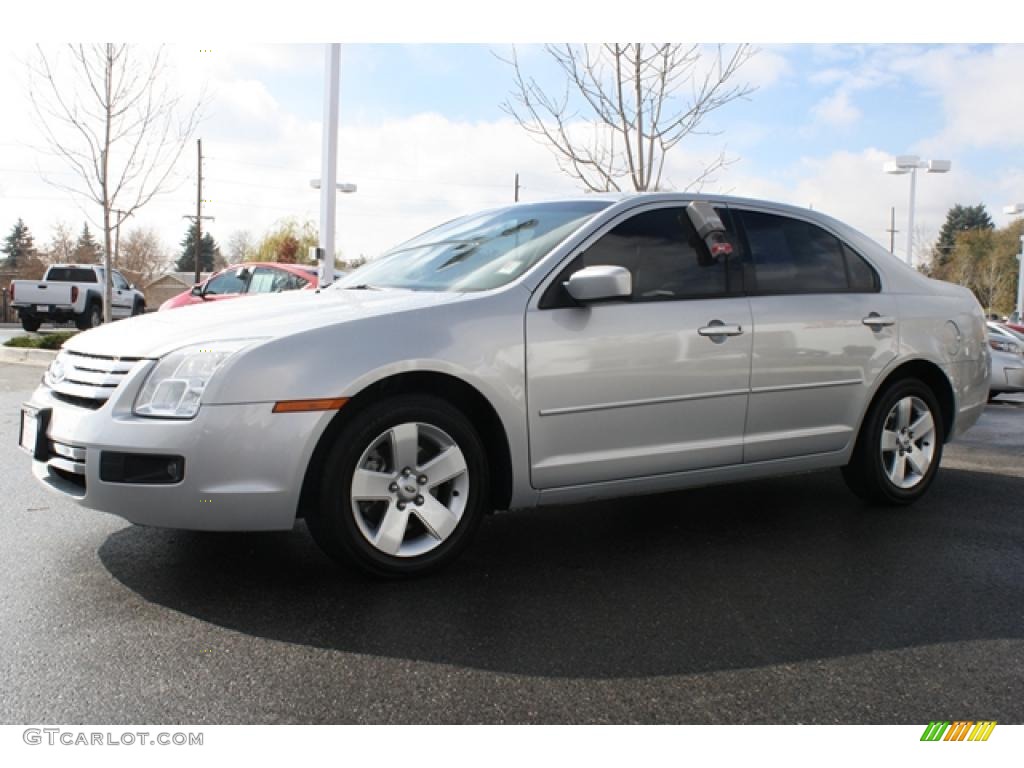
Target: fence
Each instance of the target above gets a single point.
(7, 313)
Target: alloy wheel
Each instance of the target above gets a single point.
(409, 489)
(908, 442)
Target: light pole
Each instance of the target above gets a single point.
(910, 164)
(329, 166)
(324, 253)
(1016, 210)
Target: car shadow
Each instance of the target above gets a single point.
(763, 573)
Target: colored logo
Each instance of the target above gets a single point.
(958, 730)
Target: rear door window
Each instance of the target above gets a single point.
(267, 280)
(794, 256)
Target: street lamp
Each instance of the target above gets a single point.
(1016, 210)
(346, 189)
(324, 253)
(910, 164)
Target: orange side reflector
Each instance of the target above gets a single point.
(302, 406)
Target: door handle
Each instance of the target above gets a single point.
(718, 328)
(875, 320)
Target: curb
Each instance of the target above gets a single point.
(40, 358)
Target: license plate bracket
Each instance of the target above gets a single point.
(32, 432)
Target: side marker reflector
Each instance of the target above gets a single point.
(304, 406)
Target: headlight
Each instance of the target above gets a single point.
(174, 387)
(55, 372)
(1005, 346)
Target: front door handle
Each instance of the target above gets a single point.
(875, 320)
(718, 328)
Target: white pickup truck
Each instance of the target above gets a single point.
(73, 292)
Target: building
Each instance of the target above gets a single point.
(169, 285)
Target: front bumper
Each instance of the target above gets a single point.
(244, 464)
(1006, 379)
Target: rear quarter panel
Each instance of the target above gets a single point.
(948, 329)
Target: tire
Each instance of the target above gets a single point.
(92, 317)
(31, 324)
(396, 524)
(138, 308)
(893, 464)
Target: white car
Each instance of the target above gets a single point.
(538, 354)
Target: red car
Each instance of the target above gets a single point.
(1018, 327)
(247, 280)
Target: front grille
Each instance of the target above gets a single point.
(87, 381)
(79, 402)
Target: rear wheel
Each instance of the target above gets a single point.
(899, 446)
(92, 317)
(404, 488)
(31, 324)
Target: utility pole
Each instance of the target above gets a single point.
(121, 216)
(892, 230)
(517, 188)
(199, 205)
(199, 218)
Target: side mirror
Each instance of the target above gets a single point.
(197, 290)
(599, 283)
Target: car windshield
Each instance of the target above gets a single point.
(476, 252)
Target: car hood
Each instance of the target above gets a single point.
(268, 317)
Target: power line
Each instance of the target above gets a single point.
(375, 178)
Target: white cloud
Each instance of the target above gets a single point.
(980, 93)
(767, 67)
(836, 110)
(852, 187)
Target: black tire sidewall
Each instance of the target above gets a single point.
(870, 455)
(333, 524)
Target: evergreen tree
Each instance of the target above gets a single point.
(959, 218)
(18, 246)
(209, 251)
(87, 250)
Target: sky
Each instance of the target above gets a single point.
(424, 137)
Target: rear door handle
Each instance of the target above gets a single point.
(718, 328)
(876, 320)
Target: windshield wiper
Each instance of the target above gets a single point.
(363, 287)
(474, 241)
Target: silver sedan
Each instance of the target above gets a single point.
(536, 354)
(1007, 350)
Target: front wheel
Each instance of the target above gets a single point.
(404, 488)
(899, 446)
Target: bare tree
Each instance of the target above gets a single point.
(61, 249)
(109, 114)
(240, 246)
(624, 107)
(143, 256)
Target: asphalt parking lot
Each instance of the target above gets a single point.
(779, 601)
